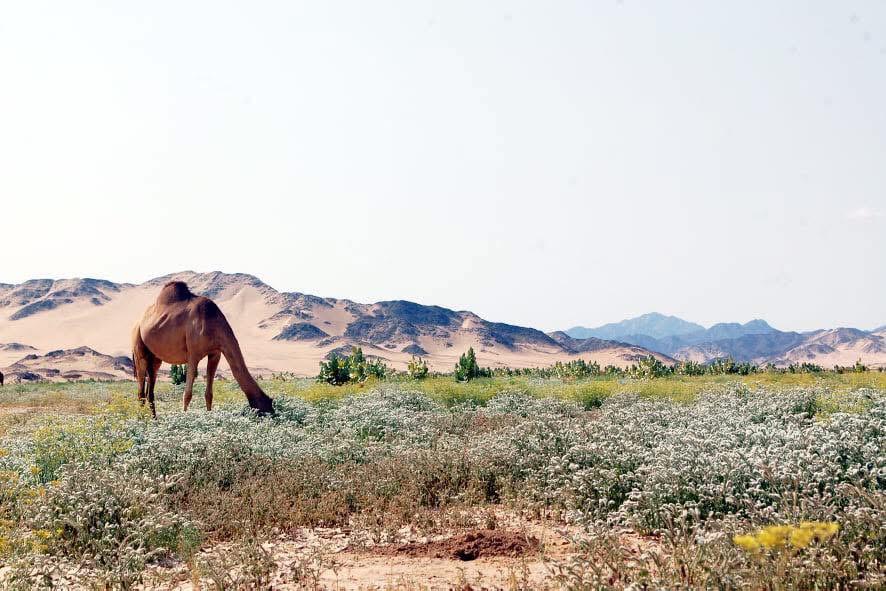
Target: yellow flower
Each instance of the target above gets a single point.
(801, 536)
(749, 543)
(774, 536)
(779, 536)
(821, 530)
(9, 477)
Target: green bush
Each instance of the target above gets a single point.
(116, 523)
(417, 368)
(352, 368)
(467, 368)
(178, 374)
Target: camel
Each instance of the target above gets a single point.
(181, 327)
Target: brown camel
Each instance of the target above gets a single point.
(181, 327)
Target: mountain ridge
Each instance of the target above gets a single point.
(755, 341)
(653, 324)
(284, 331)
(293, 331)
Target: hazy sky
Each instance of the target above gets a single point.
(540, 163)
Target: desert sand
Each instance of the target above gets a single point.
(258, 314)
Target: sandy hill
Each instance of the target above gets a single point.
(838, 346)
(277, 330)
(624, 354)
(81, 363)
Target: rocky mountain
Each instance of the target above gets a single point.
(755, 341)
(593, 344)
(71, 364)
(838, 346)
(40, 295)
(15, 347)
(288, 331)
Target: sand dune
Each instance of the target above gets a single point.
(73, 313)
(293, 332)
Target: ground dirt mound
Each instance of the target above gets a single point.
(468, 546)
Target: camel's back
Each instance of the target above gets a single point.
(179, 317)
(177, 305)
(174, 292)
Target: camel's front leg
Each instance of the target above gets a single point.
(189, 384)
(211, 366)
(153, 370)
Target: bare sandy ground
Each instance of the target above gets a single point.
(340, 559)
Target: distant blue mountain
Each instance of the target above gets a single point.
(679, 338)
(653, 325)
(732, 330)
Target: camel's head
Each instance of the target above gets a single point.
(263, 404)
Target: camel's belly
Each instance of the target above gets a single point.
(166, 351)
(165, 338)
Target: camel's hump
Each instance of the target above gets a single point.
(175, 291)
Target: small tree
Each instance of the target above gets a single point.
(335, 371)
(352, 368)
(417, 368)
(375, 368)
(467, 369)
(178, 374)
(650, 367)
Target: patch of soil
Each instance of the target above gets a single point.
(468, 546)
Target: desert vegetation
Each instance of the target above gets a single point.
(767, 480)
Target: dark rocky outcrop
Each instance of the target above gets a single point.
(414, 349)
(301, 331)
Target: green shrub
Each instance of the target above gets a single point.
(112, 521)
(417, 369)
(467, 368)
(178, 374)
(352, 368)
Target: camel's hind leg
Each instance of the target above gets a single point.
(153, 369)
(141, 373)
(211, 366)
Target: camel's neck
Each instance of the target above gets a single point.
(256, 396)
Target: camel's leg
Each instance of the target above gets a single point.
(141, 373)
(211, 366)
(153, 369)
(140, 359)
(189, 384)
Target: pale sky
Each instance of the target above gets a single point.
(539, 163)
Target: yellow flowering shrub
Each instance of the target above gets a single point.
(56, 444)
(775, 537)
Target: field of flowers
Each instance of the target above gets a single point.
(735, 485)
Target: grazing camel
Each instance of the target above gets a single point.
(181, 327)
